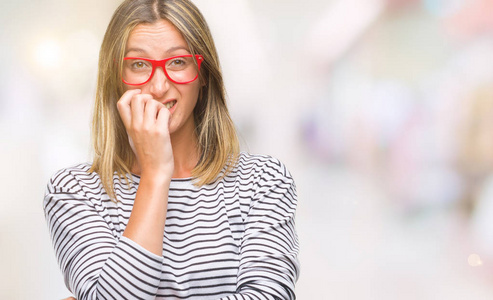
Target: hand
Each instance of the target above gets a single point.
(70, 298)
(147, 123)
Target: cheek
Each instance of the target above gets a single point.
(129, 87)
(191, 94)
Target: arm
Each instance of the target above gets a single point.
(95, 263)
(146, 122)
(269, 265)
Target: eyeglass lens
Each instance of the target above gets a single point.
(179, 69)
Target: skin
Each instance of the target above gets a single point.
(159, 41)
(163, 140)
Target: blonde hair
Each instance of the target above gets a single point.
(218, 142)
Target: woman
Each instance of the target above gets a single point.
(169, 208)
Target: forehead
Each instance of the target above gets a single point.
(156, 38)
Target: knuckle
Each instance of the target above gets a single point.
(139, 98)
(120, 102)
(134, 128)
(147, 129)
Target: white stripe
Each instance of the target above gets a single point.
(233, 236)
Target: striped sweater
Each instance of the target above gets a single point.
(233, 239)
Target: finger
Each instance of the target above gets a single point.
(163, 117)
(137, 104)
(150, 112)
(123, 106)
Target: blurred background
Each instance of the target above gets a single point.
(381, 109)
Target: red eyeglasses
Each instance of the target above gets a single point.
(179, 69)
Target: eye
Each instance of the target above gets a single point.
(137, 65)
(178, 62)
(140, 64)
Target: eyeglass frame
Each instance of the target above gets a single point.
(162, 63)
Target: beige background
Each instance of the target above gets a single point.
(382, 110)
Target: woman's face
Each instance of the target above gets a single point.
(158, 41)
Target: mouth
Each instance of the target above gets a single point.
(170, 104)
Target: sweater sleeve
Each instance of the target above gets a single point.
(269, 264)
(95, 263)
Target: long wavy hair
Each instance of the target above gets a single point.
(218, 142)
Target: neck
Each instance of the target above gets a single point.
(185, 154)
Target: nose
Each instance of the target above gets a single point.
(159, 83)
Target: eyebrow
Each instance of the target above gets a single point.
(167, 51)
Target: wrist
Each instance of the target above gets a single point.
(155, 176)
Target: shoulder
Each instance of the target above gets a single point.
(72, 179)
(269, 183)
(265, 167)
